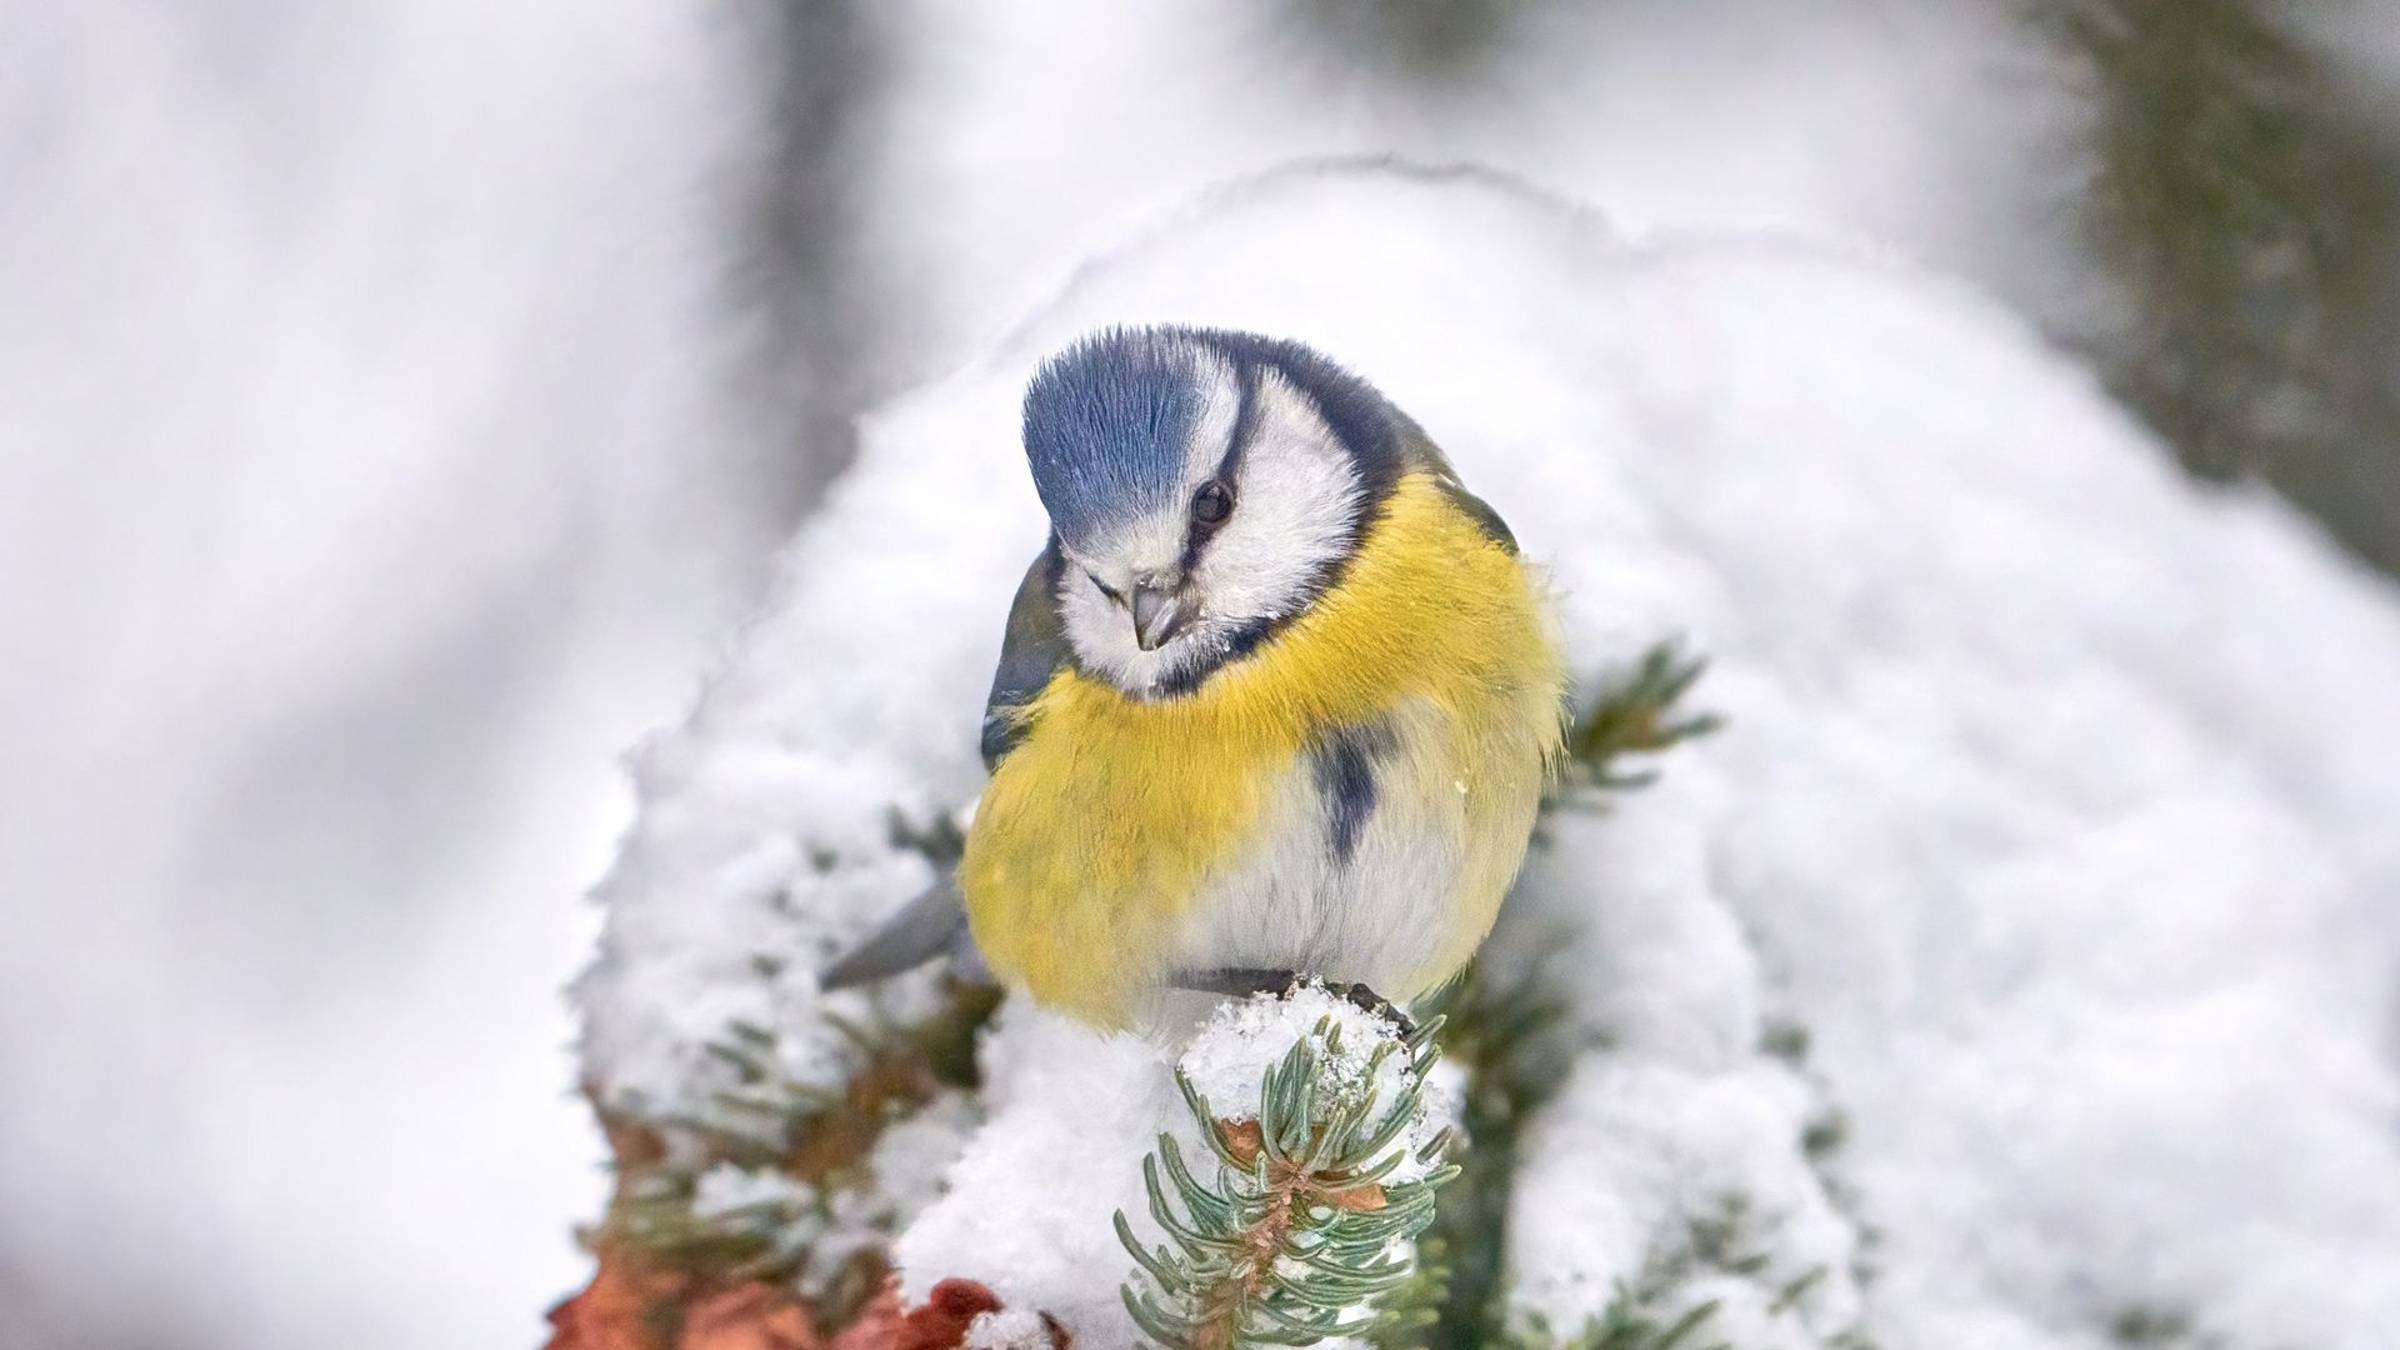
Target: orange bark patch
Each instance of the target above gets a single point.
(1243, 1139)
(752, 1316)
(625, 1307)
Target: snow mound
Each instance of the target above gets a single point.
(1007, 1329)
(2047, 852)
(1031, 1201)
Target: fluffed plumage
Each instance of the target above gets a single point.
(1351, 800)
(1308, 731)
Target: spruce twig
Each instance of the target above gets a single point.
(1636, 714)
(1297, 1233)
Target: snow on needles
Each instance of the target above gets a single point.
(1360, 1061)
(2026, 936)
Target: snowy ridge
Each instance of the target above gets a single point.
(2053, 805)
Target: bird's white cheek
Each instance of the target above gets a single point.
(1265, 562)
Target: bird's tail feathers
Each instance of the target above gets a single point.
(932, 925)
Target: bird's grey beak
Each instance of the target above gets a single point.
(1158, 615)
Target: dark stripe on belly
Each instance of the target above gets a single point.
(1344, 762)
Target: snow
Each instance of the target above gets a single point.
(2053, 803)
(1634, 1153)
(1360, 1059)
(1008, 1329)
(726, 1190)
(913, 1156)
(1227, 1062)
(1030, 1200)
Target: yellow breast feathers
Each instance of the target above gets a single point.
(1101, 828)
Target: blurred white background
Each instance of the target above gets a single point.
(399, 399)
(373, 470)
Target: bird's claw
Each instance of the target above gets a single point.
(1362, 997)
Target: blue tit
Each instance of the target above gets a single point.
(1277, 699)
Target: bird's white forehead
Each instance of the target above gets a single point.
(1154, 540)
(1220, 411)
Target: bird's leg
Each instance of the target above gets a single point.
(1245, 980)
(1232, 980)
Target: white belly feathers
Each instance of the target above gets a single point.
(1355, 873)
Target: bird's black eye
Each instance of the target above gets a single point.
(1105, 589)
(1211, 504)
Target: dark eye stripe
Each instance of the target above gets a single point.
(1105, 589)
(1245, 422)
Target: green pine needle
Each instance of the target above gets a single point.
(1635, 715)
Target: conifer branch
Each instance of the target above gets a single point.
(1634, 715)
(1299, 1226)
(755, 1197)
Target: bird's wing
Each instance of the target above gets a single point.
(935, 923)
(1481, 512)
(1419, 454)
(1031, 651)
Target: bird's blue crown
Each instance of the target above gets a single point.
(1107, 423)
